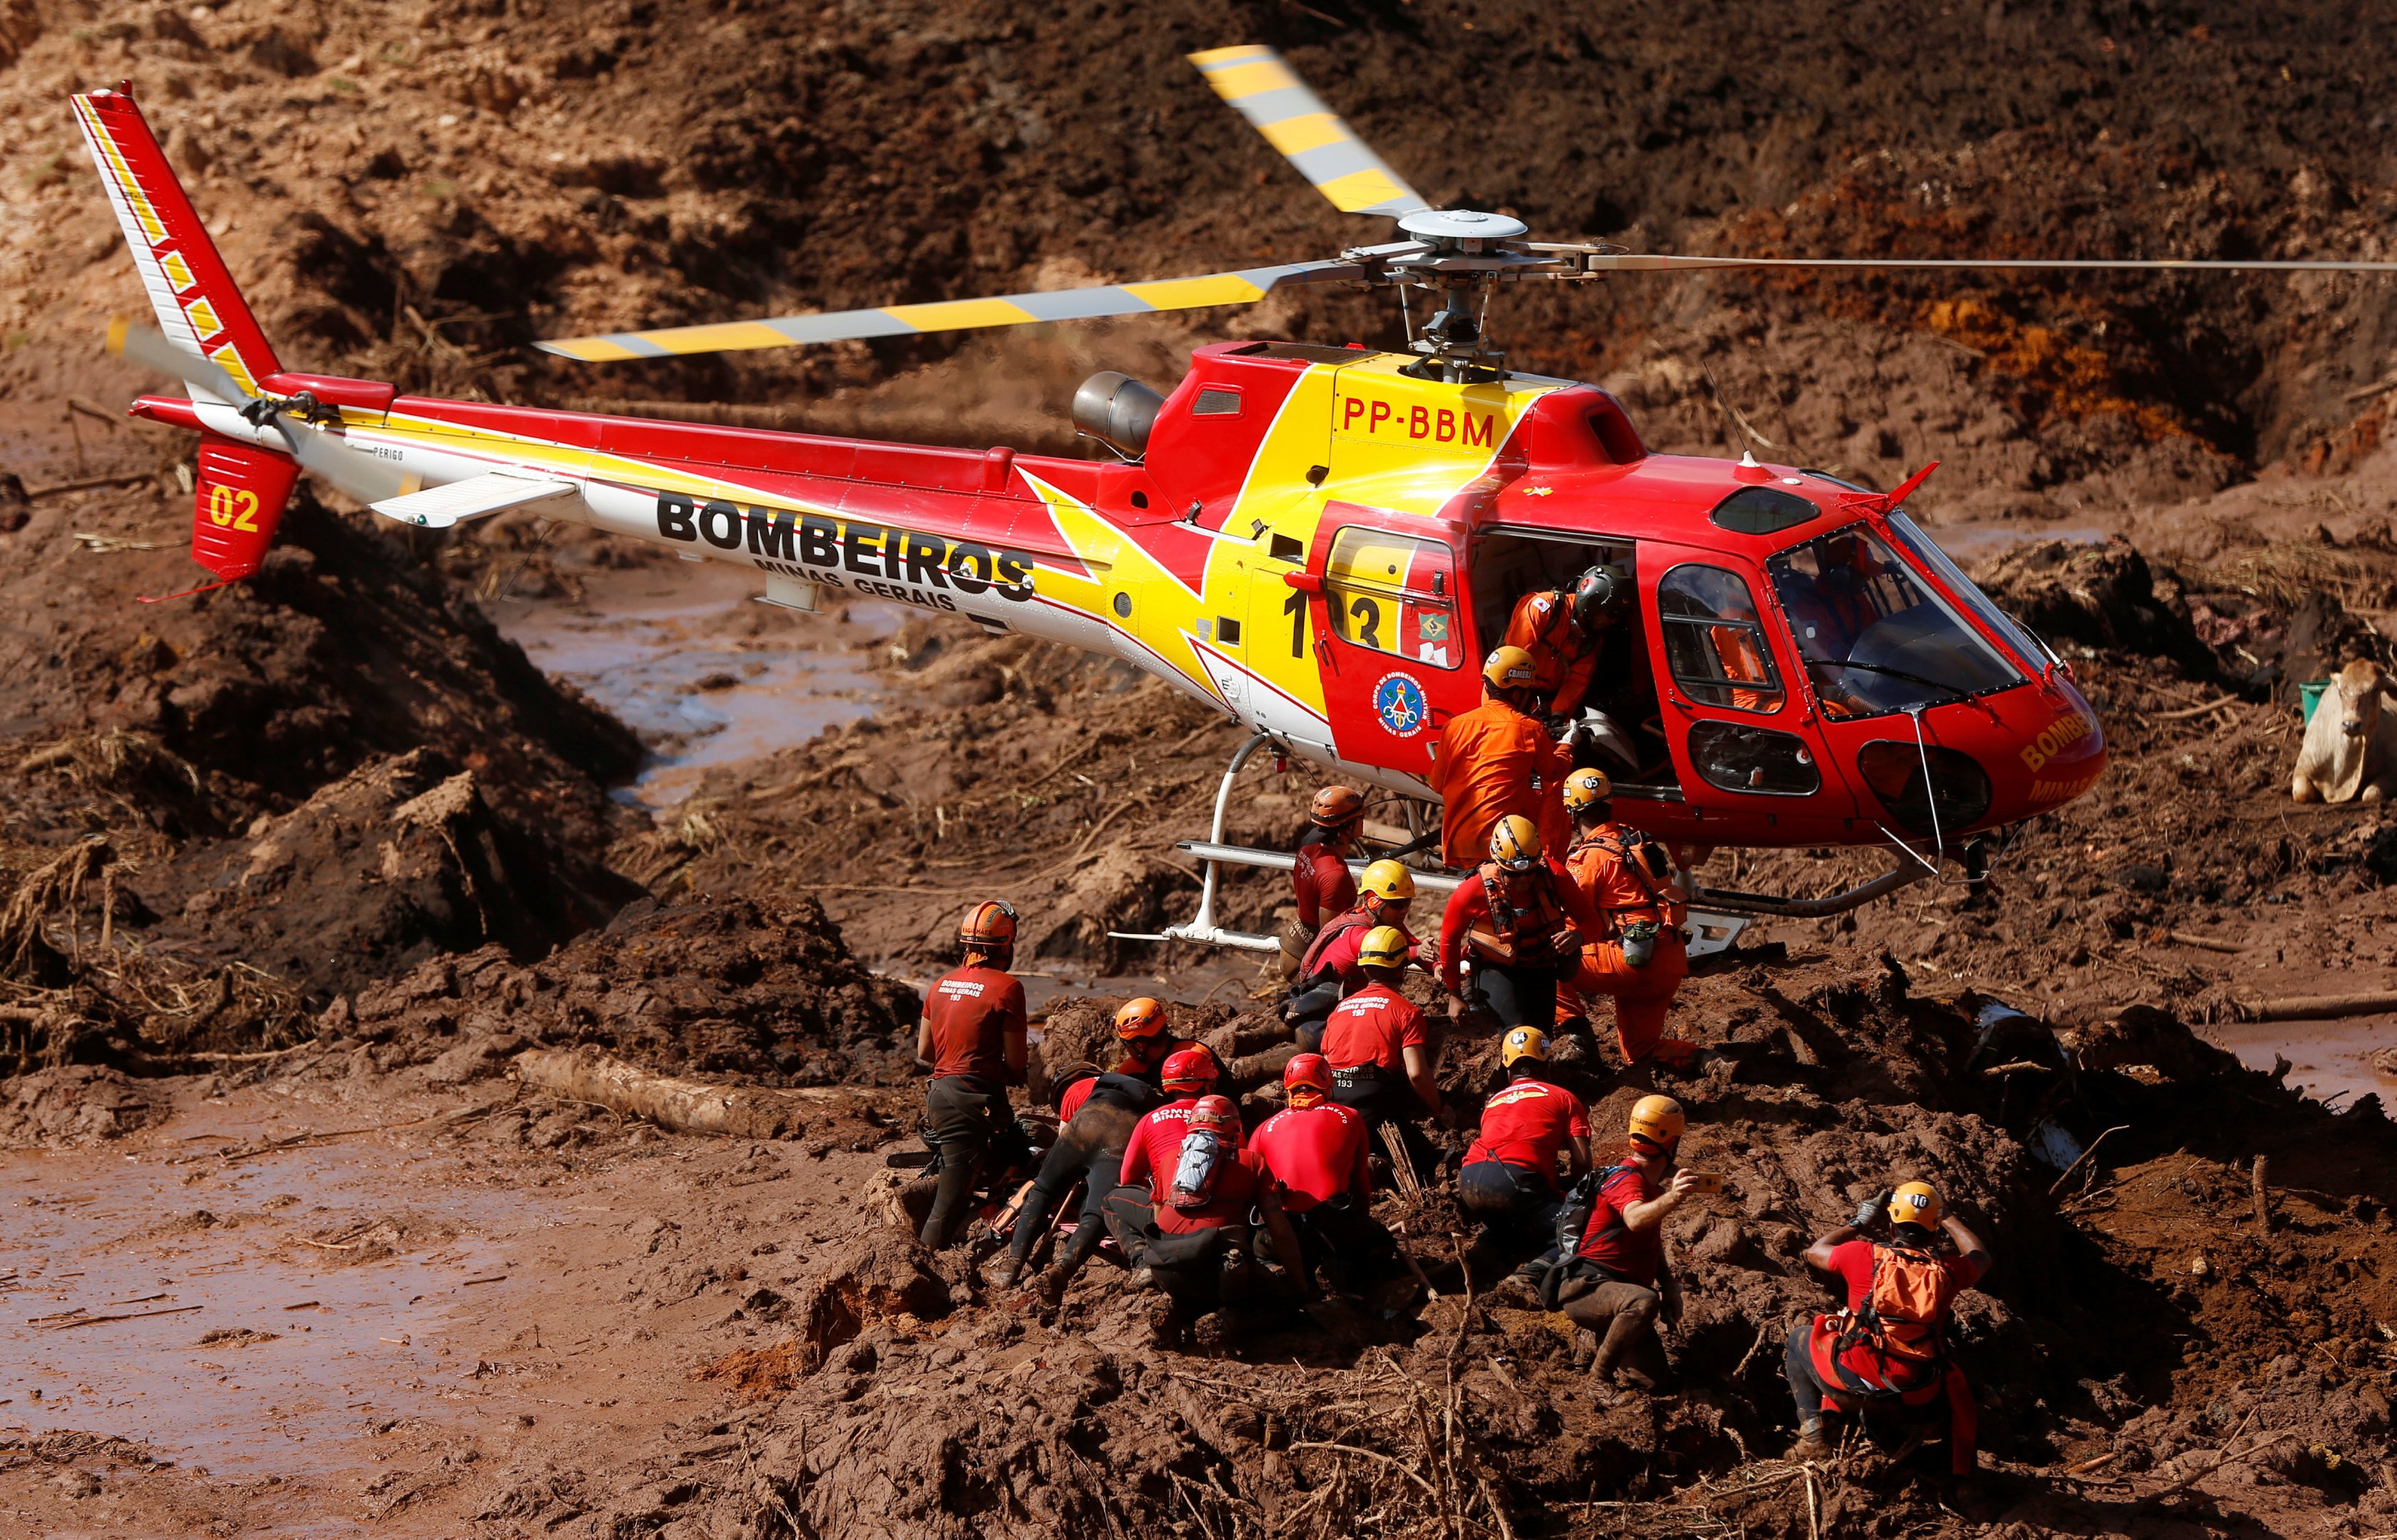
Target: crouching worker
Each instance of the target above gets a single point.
(972, 1035)
(1385, 1060)
(1329, 972)
(1315, 1150)
(1096, 1114)
(1190, 1231)
(1639, 954)
(1889, 1346)
(1319, 876)
(1508, 1180)
(1620, 1280)
(1519, 922)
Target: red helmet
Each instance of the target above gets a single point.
(1138, 1018)
(1187, 1069)
(1218, 1113)
(988, 926)
(1307, 1080)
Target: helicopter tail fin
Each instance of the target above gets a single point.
(200, 311)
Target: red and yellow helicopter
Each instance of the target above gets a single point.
(1320, 541)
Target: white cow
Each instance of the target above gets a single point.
(2349, 752)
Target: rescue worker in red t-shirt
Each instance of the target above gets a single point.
(1095, 1117)
(1522, 922)
(1563, 630)
(1890, 1345)
(1620, 1281)
(1497, 760)
(1383, 1055)
(1508, 1180)
(972, 1036)
(1316, 1151)
(1188, 1232)
(1318, 873)
(1329, 972)
(1640, 953)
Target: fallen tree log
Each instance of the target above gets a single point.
(2318, 1007)
(686, 1107)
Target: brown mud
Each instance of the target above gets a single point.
(299, 865)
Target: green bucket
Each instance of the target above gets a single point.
(2309, 694)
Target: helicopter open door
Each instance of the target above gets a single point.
(1389, 634)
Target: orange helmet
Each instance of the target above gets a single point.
(1916, 1204)
(1656, 1122)
(1138, 1018)
(1216, 1113)
(1307, 1080)
(1515, 843)
(1187, 1069)
(988, 926)
(1586, 786)
(1334, 805)
(1509, 669)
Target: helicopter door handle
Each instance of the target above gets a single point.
(1323, 653)
(1306, 582)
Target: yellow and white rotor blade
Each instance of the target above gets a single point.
(1244, 287)
(1625, 262)
(1309, 135)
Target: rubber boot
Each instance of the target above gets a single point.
(948, 1203)
(1076, 1251)
(1812, 1444)
(1621, 1333)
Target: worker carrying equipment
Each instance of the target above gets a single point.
(1519, 922)
(972, 1035)
(1181, 1209)
(1508, 1180)
(1315, 1150)
(1619, 1281)
(1639, 954)
(1889, 1348)
(1497, 760)
(1320, 880)
(1561, 630)
(1331, 972)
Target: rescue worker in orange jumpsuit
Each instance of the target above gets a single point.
(1890, 1345)
(1497, 760)
(1563, 629)
(1329, 972)
(972, 1035)
(1620, 1281)
(1640, 953)
(1319, 877)
(1520, 923)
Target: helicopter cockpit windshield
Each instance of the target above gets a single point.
(1876, 638)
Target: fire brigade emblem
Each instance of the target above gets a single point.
(1398, 702)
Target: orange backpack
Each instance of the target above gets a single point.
(1902, 1323)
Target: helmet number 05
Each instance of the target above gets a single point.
(234, 507)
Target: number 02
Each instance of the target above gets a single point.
(234, 506)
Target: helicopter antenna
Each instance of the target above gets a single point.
(1738, 424)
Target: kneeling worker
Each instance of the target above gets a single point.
(1316, 1151)
(972, 1035)
(1640, 953)
(1890, 1345)
(1191, 1236)
(1318, 873)
(1098, 1114)
(1620, 1280)
(1329, 972)
(1521, 921)
(1508, 1180)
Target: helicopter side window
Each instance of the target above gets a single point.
(1714, 640)
(1394, 594)
(1875, 638)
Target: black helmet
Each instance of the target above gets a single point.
(1595, 593)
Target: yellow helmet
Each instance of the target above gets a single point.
(1384, 946)
(1656, 1122)
(1515, 843)
(1523, 1042)
(1916, 1204)
(1586, 786)
(1387, 880)
(1509, 669)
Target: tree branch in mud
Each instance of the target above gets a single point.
(683, 1105)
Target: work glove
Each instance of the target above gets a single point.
(1870, 1210)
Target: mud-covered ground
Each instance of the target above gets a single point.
(291, 873)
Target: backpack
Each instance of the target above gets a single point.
(1900, 1324)
(1580, 1199)
(1203, 1156)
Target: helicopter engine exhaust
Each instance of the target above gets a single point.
(1116, 410)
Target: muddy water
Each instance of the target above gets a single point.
(103, 1233)
(675, 653)
(2331, 1059)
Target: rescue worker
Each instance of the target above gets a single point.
(1497, 760)
(1144, 1029)
(1383, 1056)
(1329, 972)
(1095, 1116)
(1890, 1345)
(1563, 629)
(1508, 1180)
(1319, 877)
(1620, 1281)
(1522, 922)
(1187, 1231)
(1640, 953)
(1317, 1152)
(971, 1034)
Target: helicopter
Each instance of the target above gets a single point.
(1319, 541)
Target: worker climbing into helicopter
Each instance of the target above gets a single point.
(1320, 880)
(1640, 953)
(972, 1036)
(1329, 972)
(1562, 631)
(1512, 932)
(1497, 760)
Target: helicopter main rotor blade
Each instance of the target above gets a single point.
(1243, 287)
(1597, 261)
(1264, 90)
